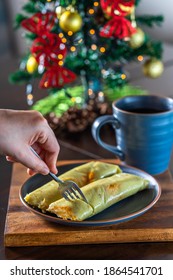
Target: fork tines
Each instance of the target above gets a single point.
(74, 193)
(70, 194)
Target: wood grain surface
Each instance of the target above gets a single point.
(24, 228)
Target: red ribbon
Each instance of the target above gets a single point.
(49, 48)
(57, 77)
(118, 27)
(40, 23)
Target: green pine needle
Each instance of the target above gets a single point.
(30, 8)
(150, 21)
(30, 36)
(19, 77)
(18, 20)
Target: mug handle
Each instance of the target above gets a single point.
(96, 127)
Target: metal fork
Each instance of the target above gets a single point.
(68, 189)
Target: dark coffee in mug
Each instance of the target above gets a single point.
(146, 111)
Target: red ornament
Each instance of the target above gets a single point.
(118, 27)
(48, 48)
(57, 77)
(40, 23)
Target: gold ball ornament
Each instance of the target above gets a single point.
(153, 68)
(137, 39)
(31, 65)
(70, 21)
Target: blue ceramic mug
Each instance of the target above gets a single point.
(143, 130)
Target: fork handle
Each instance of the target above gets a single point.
(53, 176)
(50, 173)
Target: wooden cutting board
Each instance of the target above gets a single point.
(24, 228)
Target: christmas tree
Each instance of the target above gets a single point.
(78, 52)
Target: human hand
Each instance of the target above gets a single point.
(19, 130)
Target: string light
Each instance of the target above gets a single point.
(96, 4)
(91, 11)
(123, 76)
(46, 84)
(92, 31)
(61, 35)
(60, 56)
(60, 63)
(100, 93)
(64, 40)
(70, 33)
(93, 47)
(140, 58)
(101, 96)
(30, 96)
(73, 48)
(102, 49)
(62, 46)
(41, 67)
(90, 92)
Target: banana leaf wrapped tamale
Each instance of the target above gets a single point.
(82, 175)
(100, 195)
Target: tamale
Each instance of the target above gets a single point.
(82, 175)
(100, 195)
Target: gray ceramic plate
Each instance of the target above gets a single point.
(122, 211)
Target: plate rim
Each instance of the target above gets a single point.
(47, 216)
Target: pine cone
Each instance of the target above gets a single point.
(77, 120)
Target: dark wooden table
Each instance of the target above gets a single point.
(82, 146)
